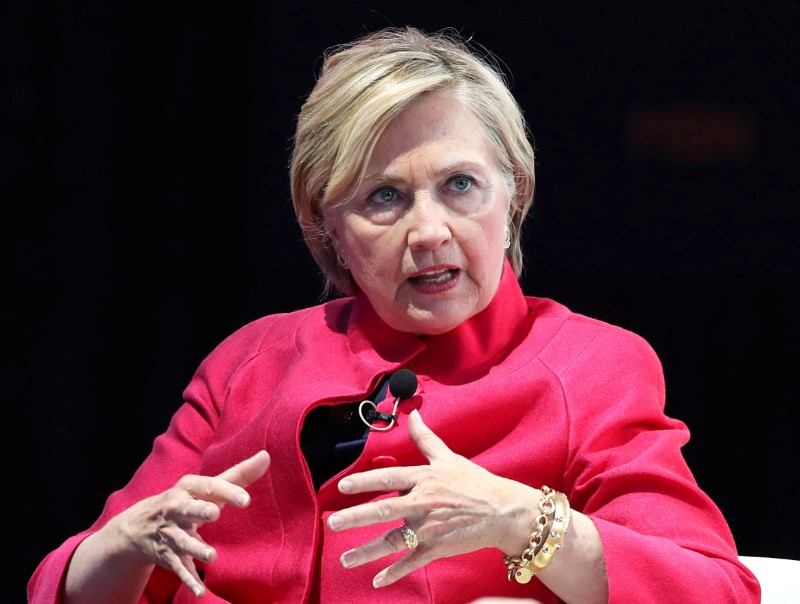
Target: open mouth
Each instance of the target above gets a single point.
(435, 282)
(441, 276)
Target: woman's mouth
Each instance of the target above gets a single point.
(436, 282)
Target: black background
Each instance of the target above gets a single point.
(146, 215)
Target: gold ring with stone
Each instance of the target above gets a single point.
(409, 536)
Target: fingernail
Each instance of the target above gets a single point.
(207, 512)
(241, 499)
(335, 521)
(379, 580)
(348, 559)
(345, 485)
(207, 555)
(197, 590)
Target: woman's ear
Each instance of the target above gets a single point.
(335, 244)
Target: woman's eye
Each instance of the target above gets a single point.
(384, 196)
(461, 183)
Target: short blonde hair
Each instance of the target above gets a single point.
(365, 84)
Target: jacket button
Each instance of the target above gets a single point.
(382, 461)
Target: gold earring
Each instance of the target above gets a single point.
(507, 242)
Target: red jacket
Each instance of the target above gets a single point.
(526, 389)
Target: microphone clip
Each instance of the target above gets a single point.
(373, 414)
(402, 385)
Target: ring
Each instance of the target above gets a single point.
(409, 536)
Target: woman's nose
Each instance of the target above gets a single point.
(428, 224)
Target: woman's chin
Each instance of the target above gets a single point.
(425, 314)
(430, 322)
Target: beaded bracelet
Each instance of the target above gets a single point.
(553, 510)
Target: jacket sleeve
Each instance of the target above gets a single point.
(664, 539)
(175, 453)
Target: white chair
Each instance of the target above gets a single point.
(779, 578)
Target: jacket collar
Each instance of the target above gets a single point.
(484, 338)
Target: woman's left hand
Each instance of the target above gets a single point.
(453, 506)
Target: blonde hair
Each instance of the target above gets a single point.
(365, 84)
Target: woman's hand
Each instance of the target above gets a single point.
(453, 505)
(162, 530)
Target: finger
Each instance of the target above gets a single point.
(404, 566)
(209, 490)
(385, 480)
(185, 570)
(430, 445)
(175, 550)
(246, 472)
(367, 514)
(184, 543)
(191, 578)
(391, 542)
(199, 507)
(200, 512)
(229, 486)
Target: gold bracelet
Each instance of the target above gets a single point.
(555, 538)
(519, 568)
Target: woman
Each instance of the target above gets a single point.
(434, 434)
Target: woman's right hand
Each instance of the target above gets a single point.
(162, 530)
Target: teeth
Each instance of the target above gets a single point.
(436, 277)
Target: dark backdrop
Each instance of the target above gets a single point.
(146, 216)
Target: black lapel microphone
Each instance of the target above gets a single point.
(402, 385)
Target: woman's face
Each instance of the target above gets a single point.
(423, 235)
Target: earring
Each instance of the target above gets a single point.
(342, 262)
(507, 242)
